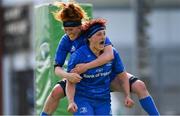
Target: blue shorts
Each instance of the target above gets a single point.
(92, 107)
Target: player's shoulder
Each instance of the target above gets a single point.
(65, 40)
(65, 37)
(82, 50)
(115, 51)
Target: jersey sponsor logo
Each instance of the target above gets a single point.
(83, 109)
(97, 75)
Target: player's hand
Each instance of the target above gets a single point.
(74, 77)
(128, 102)
(80, 68)
(72, 107)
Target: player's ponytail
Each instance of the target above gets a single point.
(70, 11)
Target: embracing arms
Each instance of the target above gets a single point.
(72, 77)
(102, 59)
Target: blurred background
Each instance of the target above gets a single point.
(145, 32)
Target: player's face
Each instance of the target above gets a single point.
(73, 32)
(98, 40)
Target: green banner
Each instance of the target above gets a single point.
(48, 32)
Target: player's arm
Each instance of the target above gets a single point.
(70, 87)
(72, 77)
(60, 57)
(102, 59)
(124, 83)
(123, 79)
(70, 92)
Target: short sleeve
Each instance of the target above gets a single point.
(107, 41)
(62, 50)
(118, 66)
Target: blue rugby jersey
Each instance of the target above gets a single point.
(66, 46)
(96, 81)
